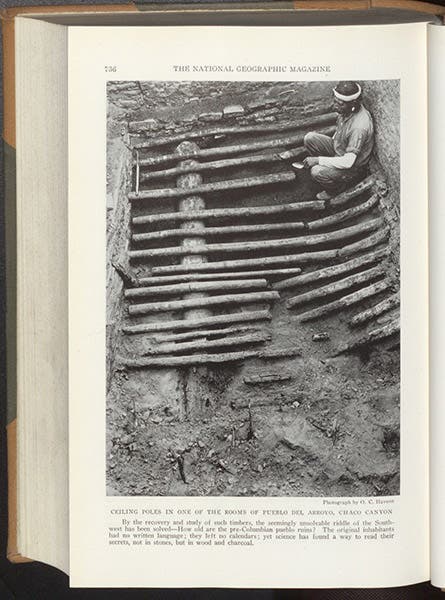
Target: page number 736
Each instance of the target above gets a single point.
(110, 68)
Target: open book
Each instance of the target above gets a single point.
(223, 296)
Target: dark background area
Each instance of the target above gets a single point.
(35, 581)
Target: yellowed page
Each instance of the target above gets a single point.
(436, 49)
(291, 539)
(42, 295)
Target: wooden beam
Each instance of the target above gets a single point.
(288, 259)
(255, 246)
(199, 286)
(346, 215)
(178, 325)
(346, 301)
(194, 359)
(314, 205)
(316, 121)
(238, 213)
(228, 163)
(375, 335)
(373, 240)
(271, 353)
(348, 195)
(375, 311)
(199, 345)
(298, 259)
(337, 286)
(167, 279)
(204, 333)
(213, 231)
(328, 272)
(138, 169)
(216, 186)
(266, 378)
(284, 142)
(227, 299)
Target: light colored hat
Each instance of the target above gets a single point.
(348, 91)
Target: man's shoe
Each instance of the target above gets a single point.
(323, 195)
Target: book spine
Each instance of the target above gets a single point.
(290, 5)
(407, 5)
(202, 6)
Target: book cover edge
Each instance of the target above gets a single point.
(10, 230)
(7, 17)
(299, 5)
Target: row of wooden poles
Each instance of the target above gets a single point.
(234, 130)
(187, 282)
(194, 277)
(187, 276)
(195, 153)
(243, 331)
(195, 305)
(304, 225)
(186, 220)
(284, 243)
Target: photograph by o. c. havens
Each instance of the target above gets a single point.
(253, 274)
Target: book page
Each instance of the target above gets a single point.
(436, 53)
(248, 306)
(41, 327)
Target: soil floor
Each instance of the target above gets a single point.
(332, 429)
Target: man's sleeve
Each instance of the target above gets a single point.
(340, 162)
(356, 141)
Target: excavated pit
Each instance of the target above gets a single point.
(300, 395)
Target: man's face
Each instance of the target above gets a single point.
(341, 107)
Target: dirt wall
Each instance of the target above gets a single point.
(383, 100)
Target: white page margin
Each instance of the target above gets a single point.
(345, 565)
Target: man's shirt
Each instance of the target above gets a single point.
(355, 133)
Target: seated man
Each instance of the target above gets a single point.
(340, 161)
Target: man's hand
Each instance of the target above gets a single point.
(310, 162)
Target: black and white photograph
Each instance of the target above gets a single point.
(253, 288)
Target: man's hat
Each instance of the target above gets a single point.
(348, 91)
